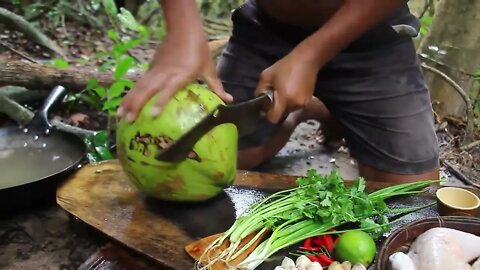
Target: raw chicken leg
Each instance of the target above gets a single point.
(444, 248)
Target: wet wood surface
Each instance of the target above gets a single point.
(101, 196)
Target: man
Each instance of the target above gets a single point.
(340, 62)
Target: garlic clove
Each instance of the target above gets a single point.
(302, 262)
(335, 266)
(359, 266)
(288, 263)
(347, 265)
(315, 266)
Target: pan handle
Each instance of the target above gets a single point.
(40, 120)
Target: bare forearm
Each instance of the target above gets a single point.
(182, 16)
(352, 20)
(184, 26)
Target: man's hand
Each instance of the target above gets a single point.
(293, 77)
(177, 63)
(182, 58)
(292, 80)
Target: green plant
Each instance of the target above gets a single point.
(426, 22)
(98, 147)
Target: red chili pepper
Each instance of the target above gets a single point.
(312, 258)
(324, 260)
(329, 242)
(311, 249)
(319, 241)
(308, 243)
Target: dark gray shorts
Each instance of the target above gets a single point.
(375, 88)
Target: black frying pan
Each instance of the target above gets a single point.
(35, 158)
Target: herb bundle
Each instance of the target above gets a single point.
(318, 204)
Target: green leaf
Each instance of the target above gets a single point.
(106, 65)
(361, 184)
(89, 100)
(113, 35)
(92, 83)
(104, 152)
(127, 20)
(123, 66)
(110, 7)
(121, 48)
(118, 87)
(112, 103)
(100, 91)
(100, 138)
(60, 63)
(326, 202)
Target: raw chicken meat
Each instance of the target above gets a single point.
(439, 249)
(476, 264)
(400, 261)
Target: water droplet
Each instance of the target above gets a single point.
(35, 138)
(25, 144)
(47, 131)
(332, 160)
(44, 145)
(25, 130)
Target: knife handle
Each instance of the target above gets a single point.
(268, 93)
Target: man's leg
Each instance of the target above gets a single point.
(250, 158)
(373, 174)
(380, 97)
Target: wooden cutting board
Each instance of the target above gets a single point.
(101, 196)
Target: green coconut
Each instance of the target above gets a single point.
(209, 168)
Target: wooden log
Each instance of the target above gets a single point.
(36, 76)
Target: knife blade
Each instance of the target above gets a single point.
(243, 115)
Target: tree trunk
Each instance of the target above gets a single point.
(454, 41)
(35, 76)
(39, 77)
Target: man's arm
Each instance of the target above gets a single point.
(183, 21)
(352, 20)
(182, 57)
(293, 77)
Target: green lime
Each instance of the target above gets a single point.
(355, 247)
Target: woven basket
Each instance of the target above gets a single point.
(401, 239)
